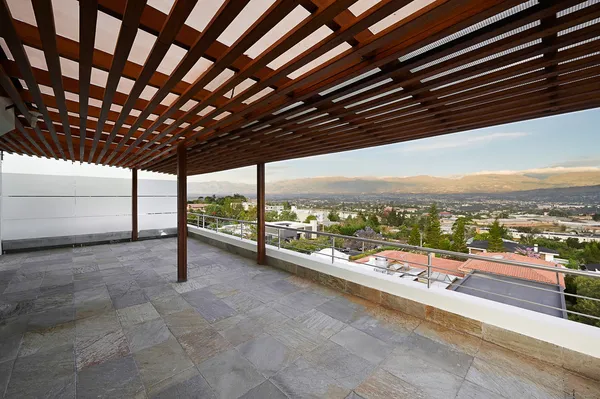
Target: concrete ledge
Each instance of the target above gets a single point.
(554, 340)
(32, 244)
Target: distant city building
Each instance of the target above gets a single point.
(197, 207)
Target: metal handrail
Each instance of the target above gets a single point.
(416, 248)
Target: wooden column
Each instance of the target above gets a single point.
(260, 214)
(134, 205)
(181, 213)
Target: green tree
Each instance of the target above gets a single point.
(596, 217)
(286, 205)
(415, 236)
(589, 287)
(495, 243)
(459, 243)
(373, 222)
(309, 218)
(288, 215)
(591, 253)
(271, 216)
(333, 216)
(433, 230)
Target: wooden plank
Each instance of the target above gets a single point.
(127, 33)
(44, 16)
(179, 13)
(9, 33)
(87, 34)
(181, 214)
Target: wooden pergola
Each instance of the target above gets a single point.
(188, 87)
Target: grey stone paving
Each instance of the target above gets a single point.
(110, 321)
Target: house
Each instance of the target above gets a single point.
(325, 254)
(542, 297)
(524, 273)
(592, 267)
(408, 260)
(197, 207)
(481, 246)
(284, 234)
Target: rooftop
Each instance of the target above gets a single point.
(447, 266)
(109, 320)
(514, 271)
(510, 246)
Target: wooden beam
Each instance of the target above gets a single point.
(87, 35)
(181, 214)
(134, 204)
(261, 252)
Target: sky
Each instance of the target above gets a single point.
(563, 141)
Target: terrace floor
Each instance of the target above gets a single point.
(108, 321)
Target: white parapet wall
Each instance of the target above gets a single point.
(48, 206)
(561, 332)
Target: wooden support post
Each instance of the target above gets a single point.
(260, 214)
(134, 204)
(181, 213)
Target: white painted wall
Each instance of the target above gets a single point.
(35, 206)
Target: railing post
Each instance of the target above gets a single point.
(363, 247)
(241, 230)
(197, 220)
(278, 238)
(429, 256)
(203, 224)
(217, 228)
(332, 249)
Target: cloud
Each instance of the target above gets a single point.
(549, 170)
(580, 162)
(458, 141)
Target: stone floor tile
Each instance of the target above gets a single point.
(388, 332)
(9, 346)
(137, 314)
(303, 300)
(230, 375)
(343, 309)
(295, 336)
(128, 298)
(203, 344)
(266, 390)
(49, 374)
(188, 384)
(214, 310)
(321, 323)
(283, 287)
(118, 378)
(304, 380)
(242, 302)
(188, 286)
(168, 304)
(437, 354)
(5, 371)
(44, 340)
(100, 348)
(93, 308)
(185, 322)
(161, 361)
(362, 344)
(468, 390)
(267, 354)
(26, 285)
(157, 291)
(143, 335)
(383, 385)
(347, 369)
(243, 330)
(52, 317)
(431, 380)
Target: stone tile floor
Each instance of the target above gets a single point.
(109, 321)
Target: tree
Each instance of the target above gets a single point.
(459, 243)
(309, 218)
(589, 287)
(333, 216)
(415, 236)
(591, 253)
(286, 205)
(495, 243)
(596, 217)
(433, 231)
(271, 216)
(288, 215)
(373, 222)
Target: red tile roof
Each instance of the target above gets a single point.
(514, 271)
(447, 266)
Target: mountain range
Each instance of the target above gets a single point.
(476, 183)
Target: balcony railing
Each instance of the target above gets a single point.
(432, 275)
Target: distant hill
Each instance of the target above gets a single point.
(479, 183)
